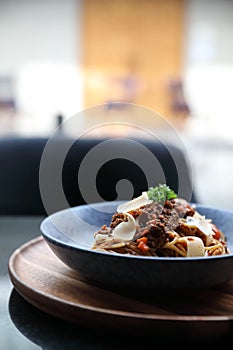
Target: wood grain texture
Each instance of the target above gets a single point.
(47, 283)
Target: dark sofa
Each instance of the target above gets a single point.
(21, 177)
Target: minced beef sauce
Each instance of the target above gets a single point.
(155, 220)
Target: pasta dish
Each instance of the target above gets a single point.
(158, 223)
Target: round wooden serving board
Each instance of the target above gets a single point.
(47, 283)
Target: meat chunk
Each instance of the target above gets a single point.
(156, 220)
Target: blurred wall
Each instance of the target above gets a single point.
(41, 52)
(208, 67)
(34, 31)
(208, 76)
(65, 55)
(131, 51)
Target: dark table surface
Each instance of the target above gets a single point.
(22, 326)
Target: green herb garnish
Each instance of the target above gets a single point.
(161, 193)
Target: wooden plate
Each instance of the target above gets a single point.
(47, 283)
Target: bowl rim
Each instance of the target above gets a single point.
(68, 245)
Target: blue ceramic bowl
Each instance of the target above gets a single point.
(69, 233)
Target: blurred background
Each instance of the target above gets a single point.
(174, 56)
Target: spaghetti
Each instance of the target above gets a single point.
(150, 227)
